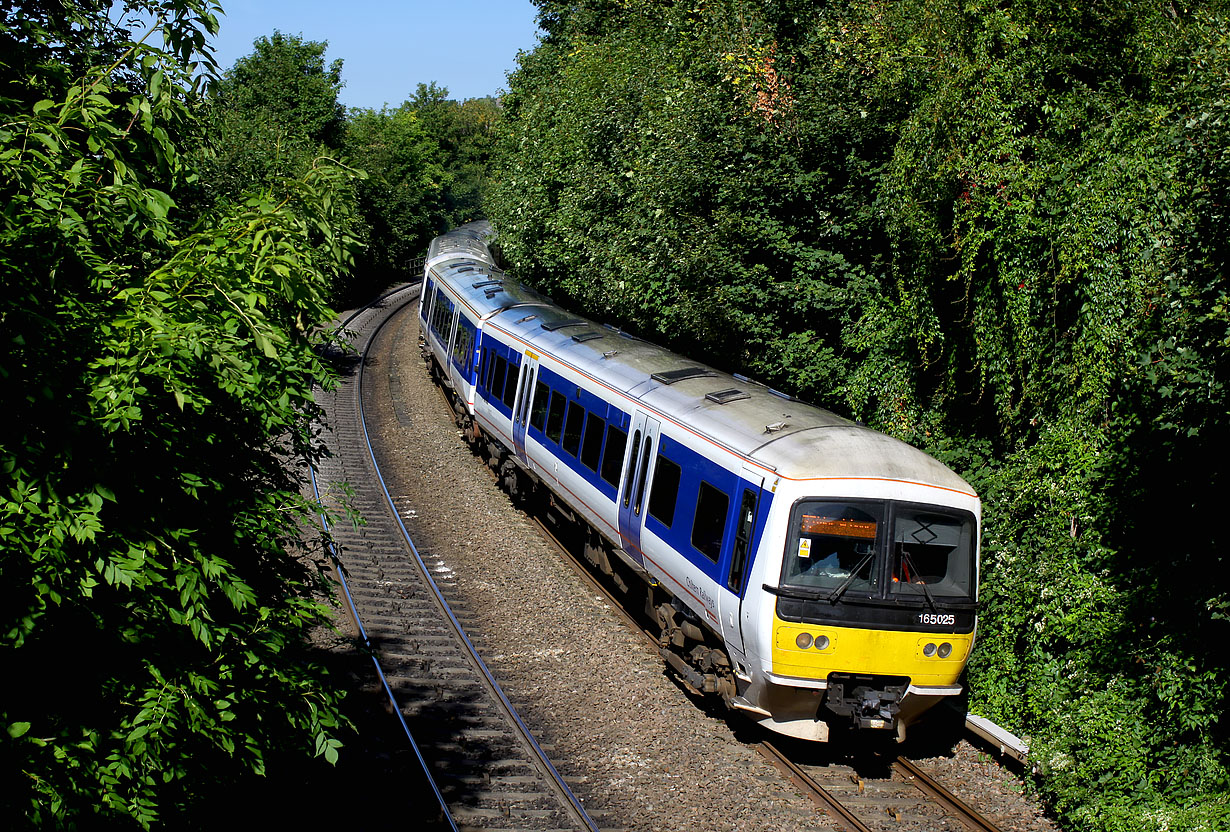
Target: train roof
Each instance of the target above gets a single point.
(793, 439)
(468, 241)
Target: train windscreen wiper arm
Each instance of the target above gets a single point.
(909, 561)
(789, 592)
(836, 594)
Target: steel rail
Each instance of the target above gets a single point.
(844, 817)
(577, 810)
(445, 814)
(953, 804)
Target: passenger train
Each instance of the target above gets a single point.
(811, 572)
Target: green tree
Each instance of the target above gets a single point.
(402, 198)
(158, 387)
(270, 116)
(465, 132)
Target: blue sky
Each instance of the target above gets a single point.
(389, 47)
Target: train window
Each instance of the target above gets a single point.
(510, 386)
(426, 299)
(644, 469)
(636, 447)
(709, 525)
(462, 345)
(833, 545)
(616, 443)
(933, 551)
(439, 310)
(743, 540)
(572, 428)
(555, 416)
(538, 415)
(497, 379)
(665, 491)
(591, 451)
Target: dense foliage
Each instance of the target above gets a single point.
(423, 163)
(155, 373)
(997, 231)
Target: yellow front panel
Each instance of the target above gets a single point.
(855, 650)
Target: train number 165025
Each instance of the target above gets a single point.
(932, 618)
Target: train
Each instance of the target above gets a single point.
(810, 572)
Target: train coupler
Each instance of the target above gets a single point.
(868, 701)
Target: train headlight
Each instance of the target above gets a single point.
(803, 640)
(929, 650)
(945, 650)
(822, 643)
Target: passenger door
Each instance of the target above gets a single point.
(521, 405)
(642, 447)
(734, 573)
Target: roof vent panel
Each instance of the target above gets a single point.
(554, 325)
(727, 396)
(672, 376)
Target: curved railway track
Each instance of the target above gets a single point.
(489, 771)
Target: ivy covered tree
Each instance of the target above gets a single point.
(996, 231)
(156, 374)
(401, 198)
(465, 132)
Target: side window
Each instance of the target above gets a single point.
(497, 380)
(438, 312)
(591, 451)
(613, 457)
(743, 540)
(555, 416)
(462, 345)
(572, 428)
(636, 447)
(510, 386)
(665, 490)
(492, 366)
(427, 299)
(538, 415)
(711, 507)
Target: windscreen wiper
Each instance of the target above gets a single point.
(790, 592)
(909, 561)
(841, 590)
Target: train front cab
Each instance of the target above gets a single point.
(866, 611)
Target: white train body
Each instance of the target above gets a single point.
(818, 572)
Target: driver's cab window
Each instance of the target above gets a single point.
(832, 544)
